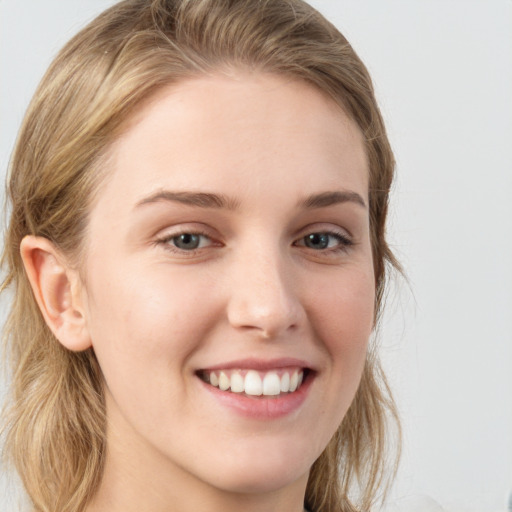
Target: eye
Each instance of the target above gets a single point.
(188, 241)
(325, 240)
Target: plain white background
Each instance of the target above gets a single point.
(443, 75)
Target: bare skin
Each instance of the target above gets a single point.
(232, 226)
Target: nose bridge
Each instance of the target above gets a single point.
(263, 298)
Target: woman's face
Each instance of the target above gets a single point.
(229, 248)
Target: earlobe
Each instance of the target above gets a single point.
(55, 286)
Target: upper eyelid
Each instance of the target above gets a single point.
(165, 239)
(344, 240)
(165, 236)
(186, 228)
(165, 242)
(325, 227)
(330, 232)
(202, 229)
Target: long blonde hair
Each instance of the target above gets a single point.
(55, 425)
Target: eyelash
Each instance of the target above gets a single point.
(344, 242)
(168, 240)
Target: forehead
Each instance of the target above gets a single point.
(219, 131)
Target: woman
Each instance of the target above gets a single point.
(199, 195)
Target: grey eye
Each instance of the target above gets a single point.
(187, 241)
(317, 240)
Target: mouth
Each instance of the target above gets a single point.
(275, 383)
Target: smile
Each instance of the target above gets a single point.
(253, 383)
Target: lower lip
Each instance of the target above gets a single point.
(262, 407)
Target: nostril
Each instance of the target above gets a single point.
(265, 322)
(264, 299)
(267, 333)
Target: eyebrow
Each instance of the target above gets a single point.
(324, 199)
(221, 201)
(199, 199)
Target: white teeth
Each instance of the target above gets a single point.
(285, 382)
(271, 384)
(237, 383)
(214, 380)
(294, 381)
(224, 382)
(255, 383)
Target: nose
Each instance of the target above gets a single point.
(263, 298)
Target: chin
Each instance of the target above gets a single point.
(259, 481)
(264, 470)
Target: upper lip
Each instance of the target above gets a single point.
(260, 364)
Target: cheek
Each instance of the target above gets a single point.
(345, 318)
(144, 328)
(142, 321)
(342, 319)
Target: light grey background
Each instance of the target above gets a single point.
(443, 75)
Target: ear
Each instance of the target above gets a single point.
(57, 289)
